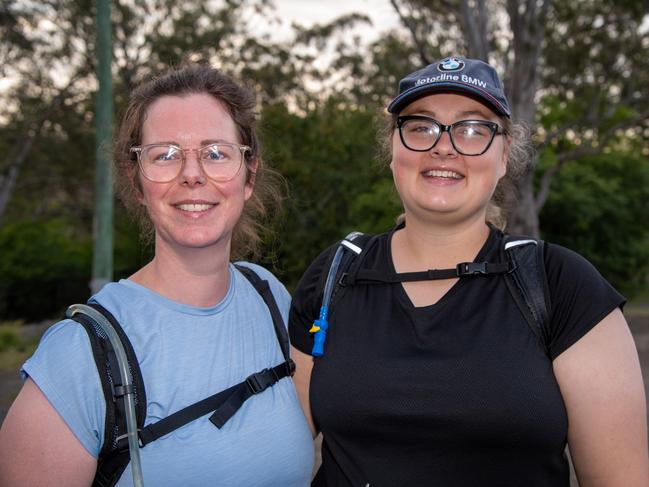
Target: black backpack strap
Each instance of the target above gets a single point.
(463, 269)
(114, 455)
(351, 262)
(226, 403)
(527, 283)
(263, 288)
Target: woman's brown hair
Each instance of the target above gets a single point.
(239, 101)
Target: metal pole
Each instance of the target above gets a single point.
(102, 264)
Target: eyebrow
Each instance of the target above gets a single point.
(203, 142)
(465, 113)
(216, 141)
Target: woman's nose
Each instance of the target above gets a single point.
(444, 145)
(192, 171)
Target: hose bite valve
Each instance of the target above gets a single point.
(319, 329)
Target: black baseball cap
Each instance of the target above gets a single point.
(456, 74)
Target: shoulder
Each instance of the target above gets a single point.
(371, 245)
(64, 339)
(580, 296)
(564, 265)
(277, 288)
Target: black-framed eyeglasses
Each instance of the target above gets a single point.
(469, 137)
(162, 163)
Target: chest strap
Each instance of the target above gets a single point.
(463, 269)
(224, 403)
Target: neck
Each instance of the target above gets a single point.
(195, 276)
(424, 245)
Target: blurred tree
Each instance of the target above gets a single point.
(58, 258)
(599, 207)
(337, 185)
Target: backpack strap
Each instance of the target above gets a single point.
(226, 403)
(263, 288)
(114, 455)
(463, 269)
(527, 283)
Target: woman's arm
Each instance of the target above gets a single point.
(602, 387)
(37, 447)
(302, 379)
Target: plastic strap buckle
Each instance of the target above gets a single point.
(471, 268)
(260, 381)
(290, 367)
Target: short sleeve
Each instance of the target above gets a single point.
(580, 297)
(64, 369)
(307, 299)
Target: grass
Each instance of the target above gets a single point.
(14, 347)
(637, 309)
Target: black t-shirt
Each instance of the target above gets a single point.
(459, 393)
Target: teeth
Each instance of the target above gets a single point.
(443, 174)
(194, 207)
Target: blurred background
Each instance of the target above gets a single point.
(577, 72)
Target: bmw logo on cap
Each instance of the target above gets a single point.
(450, 64)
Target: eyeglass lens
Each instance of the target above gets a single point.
(162, 163)
(471, 137)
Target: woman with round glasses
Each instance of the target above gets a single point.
(443, 382)
(188, 163)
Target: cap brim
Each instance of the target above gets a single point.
(409, 96)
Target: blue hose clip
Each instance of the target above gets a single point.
(319, 329)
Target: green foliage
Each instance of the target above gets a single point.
(9, 338)
(16, 344)
(45, 266)
(599, 208)
(336, 183)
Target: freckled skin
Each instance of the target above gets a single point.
(188, 122)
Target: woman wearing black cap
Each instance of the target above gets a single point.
(438, 379)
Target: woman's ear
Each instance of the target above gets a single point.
(136, 184)
(505, 157)
(251, 168)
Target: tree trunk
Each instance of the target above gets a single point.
(474, 24)
(527, 20)
(8, 182)
(523, 218)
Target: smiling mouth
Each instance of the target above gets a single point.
(195, 207)
(443, 174)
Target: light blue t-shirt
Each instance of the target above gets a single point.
(187, 354)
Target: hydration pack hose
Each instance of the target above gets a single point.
(127, 381)
(321, 325)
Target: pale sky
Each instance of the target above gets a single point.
(308, 12)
